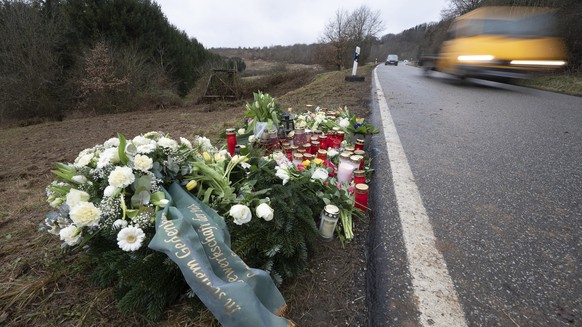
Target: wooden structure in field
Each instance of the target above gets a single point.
(222, 85)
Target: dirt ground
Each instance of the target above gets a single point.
(41, 285)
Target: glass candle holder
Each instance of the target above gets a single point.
(231, 140)
(307, 148)
(359, 177)
(314, 147)
(299, 138)
(361, 196)
(361, 153)
(345, 169)
(297, 159)
(359, 144)
(329, 218)
(323, 142)
(322, 154)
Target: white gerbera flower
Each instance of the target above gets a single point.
(130, 238)
(264, 211)
(71, 235)
(143, 163)
(75, 197)
(112, 142)
(85, 214)
(121, 177)
(241, 214)
(168, 143)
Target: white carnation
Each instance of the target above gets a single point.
(168, 143)
(107, 157)
(74, 197)
(83, 159)
(140, 140)
(186, 142)
(85, 214)
(264, 211)
(112, 142)
(130, 238)
(241, 214)
(204, 143)
(110, 191)
(143, 163)
(70, 235)
(121, 177)
(147, 148)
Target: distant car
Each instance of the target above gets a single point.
(392, 60)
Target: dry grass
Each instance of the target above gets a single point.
(41, 285)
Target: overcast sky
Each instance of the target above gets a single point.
(258, 23)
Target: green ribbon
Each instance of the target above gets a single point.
(195, 237)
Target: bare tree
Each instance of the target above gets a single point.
(346, 31)
(459, 7)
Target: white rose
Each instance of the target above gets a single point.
(75, 196)
(143, 163)
(252, 138)
(121, 177)
(85, 214)
(186, 142)
(241, 131)
(283, 174)
(344, 123)
(120, 223)
(79, 179)
(320, 173)
(264, 211)
(241, 214)
(112, 142)
(332, 153)
(168, 143)
(71, 235)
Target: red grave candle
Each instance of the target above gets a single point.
(361, 196)
(231, 140)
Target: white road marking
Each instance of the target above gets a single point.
(433, 287)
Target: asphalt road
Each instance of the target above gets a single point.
(499, 170)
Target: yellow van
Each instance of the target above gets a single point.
(501, 43)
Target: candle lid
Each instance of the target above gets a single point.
(360, 152)
(230, 131)
(360, 141)
(359, 173)
(345, 155)
(322, 151)
(307, 145)
(315, 143)
(356, 158)
(298, 156)
(361, 187)
(349, 148)
(331, 209)
(307, 156)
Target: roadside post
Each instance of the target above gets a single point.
(354, 77)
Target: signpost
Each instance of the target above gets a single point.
(354, 77)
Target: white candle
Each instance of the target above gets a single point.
(344, 172)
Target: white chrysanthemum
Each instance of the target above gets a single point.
(112, 142)
(85, 214)
(186, 142)
(265, 211)
(344, 122)
(320, 173)
(121, 177)
(75, 196)
(140, 140)
(241, 214)
(107, 157)
(143, 163)
(130, 238)
(168, 143)
(83, 159)
(70, 235)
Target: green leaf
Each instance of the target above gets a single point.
(121, 150)
(157, 196)
(207, 195)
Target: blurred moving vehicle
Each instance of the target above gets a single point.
(500, 44)
(391, 60)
